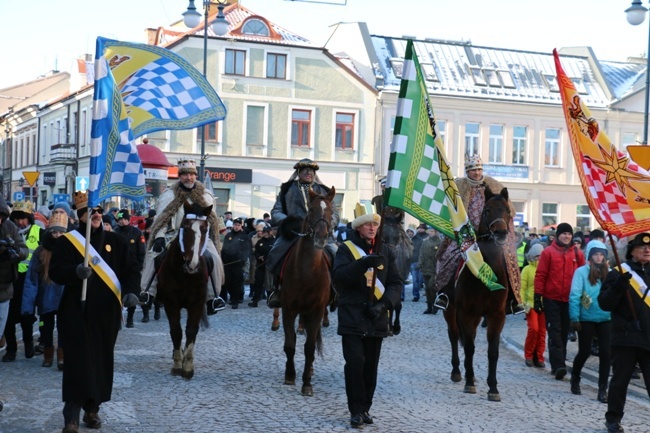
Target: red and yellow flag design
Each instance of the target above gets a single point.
(617, 189)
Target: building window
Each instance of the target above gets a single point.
(471, 139)
(496, 144)
(344, 131)
(222, 199)
(519, 145)
(211, 132)
(254, 125)
(549, 214)
(84, 128)
(583, 217)
(552, 148)
(276, 66)
(235, 62)
(300, 127)
(255, 27)
(628, 139)
(441, 126)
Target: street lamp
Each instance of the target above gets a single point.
(635, 16)
(220, 26)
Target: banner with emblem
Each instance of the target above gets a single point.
(616, 188)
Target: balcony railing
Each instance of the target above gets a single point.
(63, 152)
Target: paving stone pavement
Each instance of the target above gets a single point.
(238, 385)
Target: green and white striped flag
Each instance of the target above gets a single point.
(420, 179)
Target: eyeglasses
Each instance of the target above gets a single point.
(644, 247)
(94, 211)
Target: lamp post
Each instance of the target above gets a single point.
(635, 16)
(191, 18)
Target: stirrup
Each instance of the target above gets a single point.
(441, 302)
(273, 300)
(215, 305)
(145, 299)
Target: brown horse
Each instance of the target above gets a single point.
(470, 300)
(306, 287)
(182, 283)
(275, 325)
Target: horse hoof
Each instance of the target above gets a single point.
(456, 377)
(308, 391)
(494, 396)
(275, 327)
(188, 374)
(326, 324)
(289, 381)
(397, 329)
(177, 372)
(469, 389)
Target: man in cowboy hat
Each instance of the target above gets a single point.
(293, 201)
(169, 214)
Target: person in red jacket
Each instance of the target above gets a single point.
(553, 279)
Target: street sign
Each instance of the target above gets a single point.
(81, 183)
(18, 196)
(59, 198)
(31, 177)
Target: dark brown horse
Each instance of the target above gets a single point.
(394, 236)
(470, 299)
(182, 283)
(306, 287)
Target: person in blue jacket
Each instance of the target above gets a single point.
(588, 319)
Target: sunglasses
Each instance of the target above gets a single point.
(99, 211)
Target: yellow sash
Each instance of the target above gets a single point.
(97, 263)
(637, 284)
(358, 253)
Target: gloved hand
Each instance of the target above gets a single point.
(372, 260)
(84, 272)
(538, 303)
(576, 326)
(129, 300)
(12, 254)
(3, 246)
(158, 245)
(376, 310)
(622, 281)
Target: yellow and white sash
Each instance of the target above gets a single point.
(359, 253)
(637, 284)
(97, 263)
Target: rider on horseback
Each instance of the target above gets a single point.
(293, 201)
(472, 193)
(169, 214)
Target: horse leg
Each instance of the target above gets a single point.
(288, 324)
(326, 318)
(275, 325)
(176, 332)
(301, 326)
(467, 327)
(452, 333)
(312, 327)
(191, 330)
(397, 328)
(495, 326)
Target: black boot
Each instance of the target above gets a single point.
(575, 384)
(274, 299)
(145, 314)
(129, 317)
(429, 309)
(156, 311)
(602, 393)
(29, 349)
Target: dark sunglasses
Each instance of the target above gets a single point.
(99, 211)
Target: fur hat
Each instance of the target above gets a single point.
(563, 228)
(473, 162)
(306, 163)
(58, 222)
(639, 240)
(186, 166)
(367, 218)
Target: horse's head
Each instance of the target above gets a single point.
(319, 217)
(193, 235)
(496, 217)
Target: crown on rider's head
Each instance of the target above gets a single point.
(186, 166)
(473, 162)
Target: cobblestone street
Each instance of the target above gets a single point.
(238, 385)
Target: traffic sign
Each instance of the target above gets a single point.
(59, 198)
(19, 195)
(81, 183)
(31, 177)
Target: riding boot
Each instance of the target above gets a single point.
(274, 297)
(575, 384)
(441, 302)
(48, 356)
(145, 314)
(602, 393)
(156, 311)
(429, 309)
(129, 317)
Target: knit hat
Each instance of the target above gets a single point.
(107, 219)
(473, 162)
(579, 237)
(535, 251)
(563, 228)
(123, 213)
(594, 247)
(596, 234)
(62, 205)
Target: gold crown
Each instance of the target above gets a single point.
(80, 199)
(58, 221)
(23, 206)
(186, 166)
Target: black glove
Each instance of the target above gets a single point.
(622, 281)
(576, 326)
(12, 254)
(538, 303)
(158, 245)
(376, 310)
(372, 261)
(3, 246)
(84, 272)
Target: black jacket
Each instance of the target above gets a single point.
(291, 201)
(353, 294)
(625, 330)
(236, 248)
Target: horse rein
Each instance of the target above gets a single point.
(491, 235)
(310, 232)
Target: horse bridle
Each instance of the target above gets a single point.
(491, 235)
(312, 228)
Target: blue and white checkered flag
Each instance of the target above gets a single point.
(140, 89)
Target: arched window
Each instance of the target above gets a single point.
(255, 27)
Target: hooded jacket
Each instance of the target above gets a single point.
(581, 285)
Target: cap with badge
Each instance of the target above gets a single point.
(640, 240)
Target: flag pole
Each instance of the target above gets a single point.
(620, 271)
(376, 248)
(84, 283)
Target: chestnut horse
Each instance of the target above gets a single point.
(306, 286)
(182, 283)
(470, 299)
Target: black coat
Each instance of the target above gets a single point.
(89, 336)
(291, 201)
(354, 296)
(136, 241)
(625, 331)
(236, 248)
